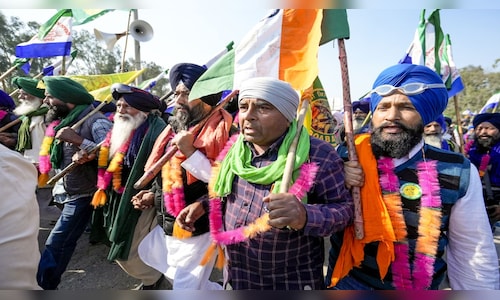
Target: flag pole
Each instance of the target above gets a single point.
(349, 137)
(7, 73)
(126, 42)
(459, 121)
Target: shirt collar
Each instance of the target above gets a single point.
(413, 151)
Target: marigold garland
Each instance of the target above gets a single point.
(485, 158)
(109, 173)
(45, 165)
(428, 228)
(220, 237)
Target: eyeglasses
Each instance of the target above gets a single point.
(119, 88)
(409, 89)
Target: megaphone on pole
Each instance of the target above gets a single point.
(140, 31)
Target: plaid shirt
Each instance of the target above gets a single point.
(283, 259)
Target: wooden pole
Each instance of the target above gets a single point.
(459, 125)
(349, 137)
(126, 42)
(156, 167)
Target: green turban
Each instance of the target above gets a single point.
(29, 85)
(67, 90)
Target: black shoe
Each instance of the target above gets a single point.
(160, 284)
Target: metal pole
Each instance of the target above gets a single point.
(137, 47)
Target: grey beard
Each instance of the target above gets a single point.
(25, 107)
(433, 140)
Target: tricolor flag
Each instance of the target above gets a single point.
(432, 48)
(283, 45)
(55, 69)
(53, 39)
(22, 64)
(84, 16)
(491, 105)
(149, 84)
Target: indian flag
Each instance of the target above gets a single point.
(283, 45)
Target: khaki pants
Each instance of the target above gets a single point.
(134, 266)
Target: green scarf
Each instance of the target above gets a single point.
(24, 135)
(239, 157)
(56, 149)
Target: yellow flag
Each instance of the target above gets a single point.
(319, 120)
(99, 85)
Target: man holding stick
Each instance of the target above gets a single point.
(179, 193)
(274, 236)
(32, 112)
(121, 162)
(418, 202)
(69, 104)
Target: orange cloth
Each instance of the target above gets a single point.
(377, 223)
(210, 140)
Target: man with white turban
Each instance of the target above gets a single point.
(417, 201)
(274, 239)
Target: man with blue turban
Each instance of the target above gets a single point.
(484, 153)
(8, 133)
(417, 201)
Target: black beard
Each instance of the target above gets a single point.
(485, 145)
(400, 145)
(180, 120)
(56, 112)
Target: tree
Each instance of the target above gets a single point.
(479, 86)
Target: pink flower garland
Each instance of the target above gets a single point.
(44, 160)
(428, 228)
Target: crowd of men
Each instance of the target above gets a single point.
(176, 194)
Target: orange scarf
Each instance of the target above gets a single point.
(210, 140)
(377, 223)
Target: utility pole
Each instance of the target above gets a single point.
(137, 47)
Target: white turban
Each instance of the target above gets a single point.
(277, 92)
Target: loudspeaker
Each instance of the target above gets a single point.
(140, 31)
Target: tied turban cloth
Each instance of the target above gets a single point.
(139, 99)
(185, 73)
(363, 105)
(430, 104)
(29, 85)
(6, 101)
(67, 90)
(493, 118)
(277, 92)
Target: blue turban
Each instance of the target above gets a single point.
(138, 99)
(430, 104)
(363, 105)
(186, 73)
(440, 120)
(6, 101)
(493, 118)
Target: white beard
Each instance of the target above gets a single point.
(122, 129)
(26, 107)
(433, 140)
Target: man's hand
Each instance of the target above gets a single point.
(81, 157)
(184, 141)
(143, 200)
(285, 210)
(189, 215)
(67, 134)
(8, 139)
(353, 173)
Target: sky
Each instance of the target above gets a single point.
(379, 37)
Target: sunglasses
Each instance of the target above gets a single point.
(409, 89)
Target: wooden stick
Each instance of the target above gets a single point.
(91, 113)
(349, 137)
(290, 158)
(70, 167)
(10, 124)
(459, 124)
(156, 167)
